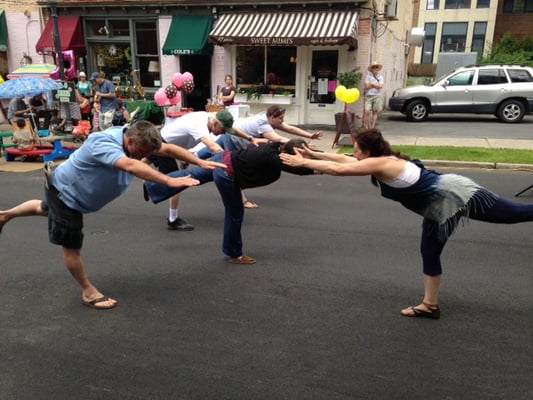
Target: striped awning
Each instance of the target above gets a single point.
(287, 29)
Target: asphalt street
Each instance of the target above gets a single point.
(316, 318)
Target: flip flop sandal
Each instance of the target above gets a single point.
(93, 303)
(432, 313)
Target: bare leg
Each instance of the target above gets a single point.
(247, 203)
(74, 264)
(367, 122)
(375, 115)
(27, 209)
(431, 295)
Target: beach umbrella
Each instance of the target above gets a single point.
(33, 71)
(27, 87)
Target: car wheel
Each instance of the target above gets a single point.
(416, 111)
(511, 111)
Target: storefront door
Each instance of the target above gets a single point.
(321, 104)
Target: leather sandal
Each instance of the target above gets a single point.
(432, 312)
(242, 260)
(250, 204)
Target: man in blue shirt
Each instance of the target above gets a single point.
(94, 175)
(105, 93)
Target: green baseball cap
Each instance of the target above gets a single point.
(226, 119)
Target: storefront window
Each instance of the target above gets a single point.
(126, 51)
(273, 67)
(146, 42)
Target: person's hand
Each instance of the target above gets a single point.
(185, 181)
(317, 135)
(257, 141)
(306, 151)
(211, 165)
(296, 160)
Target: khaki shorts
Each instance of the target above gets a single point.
(374, 103)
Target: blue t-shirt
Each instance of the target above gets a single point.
(106, 103)
(89, 180)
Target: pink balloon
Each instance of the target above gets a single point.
(176, 99)
(177, 80)
(160, 97)
(187, 76)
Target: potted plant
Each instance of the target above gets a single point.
(349, 80)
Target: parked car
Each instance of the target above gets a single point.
(503, 90)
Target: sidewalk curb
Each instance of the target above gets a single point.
(483, 165)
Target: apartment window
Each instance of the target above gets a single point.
(483, 3)
(478, 38)
(453, 36)
(457, 4)
(517, 6)
(428, 47)
(433, 5)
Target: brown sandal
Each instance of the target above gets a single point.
(242, 260)
(432, 312)
(250, 204)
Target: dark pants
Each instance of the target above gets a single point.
(229, 192)
(502, 212)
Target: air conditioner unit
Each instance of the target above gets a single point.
(391, 8)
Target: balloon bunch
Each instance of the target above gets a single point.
(348, 96)
(171, 94)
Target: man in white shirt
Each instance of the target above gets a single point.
(188, 131)
(373, 102)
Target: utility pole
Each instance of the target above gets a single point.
(57, 40)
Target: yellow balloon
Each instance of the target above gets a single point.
(352, 95)
(340, 92)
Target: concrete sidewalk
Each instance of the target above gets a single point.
(326, 145)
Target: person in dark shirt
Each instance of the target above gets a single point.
(247, 168)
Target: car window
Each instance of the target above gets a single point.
(491, 76)
(520, 75)
(461, 79)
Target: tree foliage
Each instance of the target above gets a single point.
(510, 50)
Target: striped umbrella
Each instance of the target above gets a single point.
(26, 87)
(33, 71)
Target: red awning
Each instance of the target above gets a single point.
(70, 35)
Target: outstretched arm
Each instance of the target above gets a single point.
(294, 130)
(368, 166)
(143, 171)
(173, 151)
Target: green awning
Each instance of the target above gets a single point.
(188, 35)
(3, 31)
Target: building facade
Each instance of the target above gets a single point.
(455, 26)
(294, 50)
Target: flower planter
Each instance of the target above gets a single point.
(265, 99)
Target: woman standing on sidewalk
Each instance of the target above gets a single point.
(442, 199)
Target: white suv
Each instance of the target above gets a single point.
(503, 90)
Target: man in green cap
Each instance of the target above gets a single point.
(189, 131)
